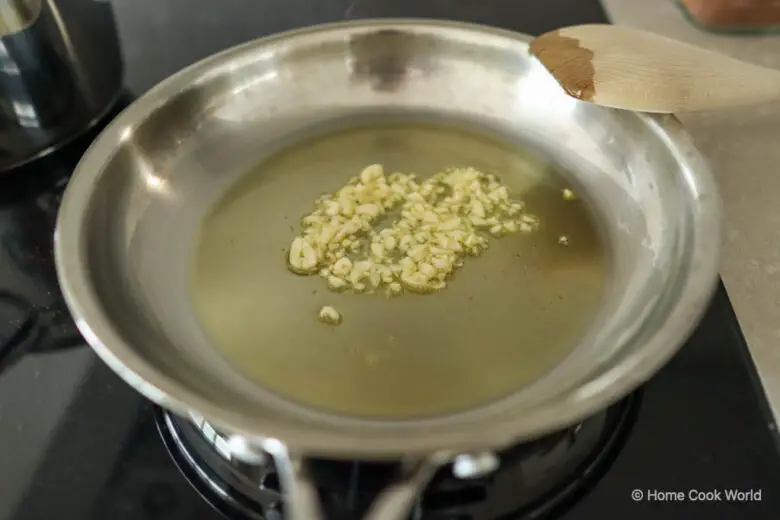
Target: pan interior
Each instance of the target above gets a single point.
(505, 319)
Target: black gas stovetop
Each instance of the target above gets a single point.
(77, 443)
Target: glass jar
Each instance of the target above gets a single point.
(742, 16)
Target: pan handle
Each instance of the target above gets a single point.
(302, 501)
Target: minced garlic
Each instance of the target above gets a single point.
(330, 315)
(442, 220)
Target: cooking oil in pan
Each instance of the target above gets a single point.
(505, 318)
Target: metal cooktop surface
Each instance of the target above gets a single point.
(77, 443)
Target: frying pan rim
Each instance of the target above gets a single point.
(96, 327)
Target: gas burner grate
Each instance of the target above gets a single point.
(536, 480)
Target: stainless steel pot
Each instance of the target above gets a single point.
(129, 217)
(60, 72)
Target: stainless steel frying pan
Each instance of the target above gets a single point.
(130, 214)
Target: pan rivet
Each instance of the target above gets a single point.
(244, 451)
(475, 465)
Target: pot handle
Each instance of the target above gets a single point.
(393, 503)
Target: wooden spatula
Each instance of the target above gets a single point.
(637, 70)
